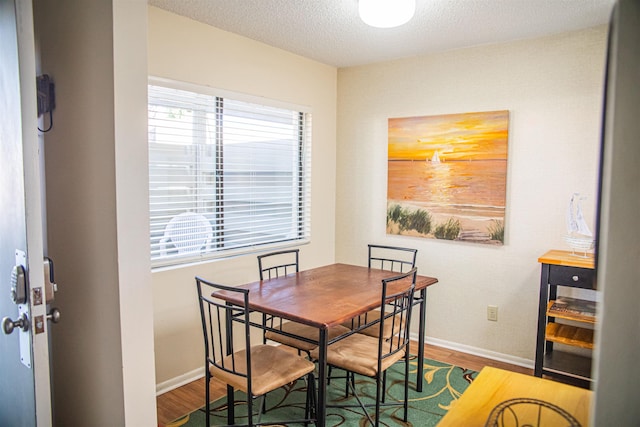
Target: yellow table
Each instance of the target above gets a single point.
(494, 386)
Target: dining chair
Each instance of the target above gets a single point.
(280, 263)
(371, 356)
(276, 264)
(253, 369)
(391, 258)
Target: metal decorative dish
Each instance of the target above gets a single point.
(526, 412)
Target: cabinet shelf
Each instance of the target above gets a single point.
(578, 310)
(568, 364)
(569, 335)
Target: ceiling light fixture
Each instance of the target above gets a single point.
(386, 13)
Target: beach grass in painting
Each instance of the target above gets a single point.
(447, 176)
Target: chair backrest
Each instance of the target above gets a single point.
(396, 304)
(392, 258)
(277, 264)
(189, 232)
(219, 321)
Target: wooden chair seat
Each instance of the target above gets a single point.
(305, 331)
(358, 353)
(271, 368)
(391, 327)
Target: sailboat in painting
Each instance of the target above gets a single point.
(579, 236)
(436, 157)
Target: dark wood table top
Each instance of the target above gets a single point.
(321, 297)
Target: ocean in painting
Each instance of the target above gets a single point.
(471, 191)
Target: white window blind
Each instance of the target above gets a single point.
(226, 176)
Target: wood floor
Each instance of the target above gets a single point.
(183, 400)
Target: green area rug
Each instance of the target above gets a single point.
(443, 385)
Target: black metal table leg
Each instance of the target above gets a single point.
(322, 378)
(421, 332)
(231, 415)
(542, 316)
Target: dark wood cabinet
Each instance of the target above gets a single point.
(565, 320)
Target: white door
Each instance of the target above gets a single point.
(25, 392)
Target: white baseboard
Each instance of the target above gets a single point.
(196, 374)
(178, 381)
(488, 354)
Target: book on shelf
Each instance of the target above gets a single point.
(574, 306)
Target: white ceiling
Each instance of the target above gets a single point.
(331, 32)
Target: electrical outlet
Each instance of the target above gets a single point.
(492, 313)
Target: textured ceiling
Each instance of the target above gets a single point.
(331, 32)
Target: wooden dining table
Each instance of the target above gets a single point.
(324, 297)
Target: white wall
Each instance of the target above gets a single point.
(185, 50)
(553, 88)
(132, 200)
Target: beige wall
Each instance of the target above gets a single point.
(553, 88)
(98, 234)
(185, 50)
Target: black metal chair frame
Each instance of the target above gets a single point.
(391, 263)
(217, 322)
(279, 269)
(272, 271)
(395, 308)
(395, 264)
(276, 270)
(387, 263)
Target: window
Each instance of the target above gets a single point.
(227, 175)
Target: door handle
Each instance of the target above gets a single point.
(9, 325)
(54, 315)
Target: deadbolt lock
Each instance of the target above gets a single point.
(18, 285)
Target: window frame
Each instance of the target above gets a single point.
(302, 172)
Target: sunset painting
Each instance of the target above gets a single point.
(447, 176)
